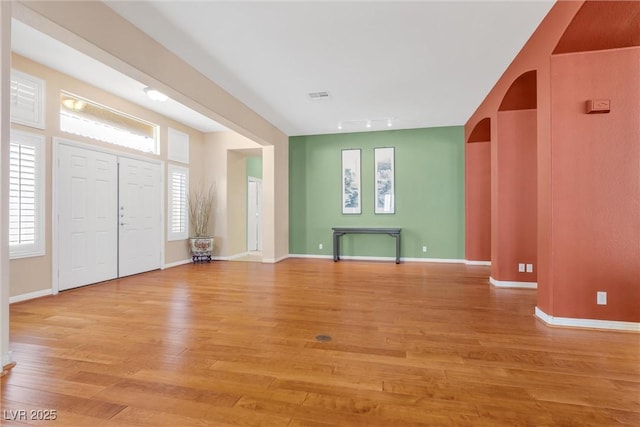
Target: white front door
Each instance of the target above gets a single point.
(139, 215)
(254, 215)
(109, 216)
(87, 189)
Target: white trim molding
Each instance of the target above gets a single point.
(470, 262)
(230, 257)
(275, 260)
(381, 258)
(508, 284)
(310, 256)
(176, 264)
(436, 260)
(7, 359)
(30, 295)
(570, 322)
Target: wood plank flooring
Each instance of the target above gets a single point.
(233, 344)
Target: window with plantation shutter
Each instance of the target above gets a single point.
(27, 99)
(26, 190)
(178, 211)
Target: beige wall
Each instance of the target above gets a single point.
(236, 202)
(280, 161)
(226, 152)
(33, 274)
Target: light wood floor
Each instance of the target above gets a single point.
(233, 344)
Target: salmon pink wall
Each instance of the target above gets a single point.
(478, 201)
(522, 95)
(602, 25)
(515, 195)
(596, 185)
(567, 246)
(534, 56)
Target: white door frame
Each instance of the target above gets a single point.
(258, 181)
(55, 231)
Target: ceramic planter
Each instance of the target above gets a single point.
(201, 248)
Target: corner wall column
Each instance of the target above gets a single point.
(5, 81)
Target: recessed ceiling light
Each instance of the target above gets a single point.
(155, 95)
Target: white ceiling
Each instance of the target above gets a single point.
(420, 63)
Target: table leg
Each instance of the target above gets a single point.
(398, 249)
(336, 247)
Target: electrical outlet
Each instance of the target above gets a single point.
(424, 249)
(529, 268)
(520, 268)
(320, 246)
(601, 298)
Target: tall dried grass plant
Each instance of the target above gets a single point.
(201, 207)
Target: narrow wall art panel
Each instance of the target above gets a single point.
(385, 180)
(351, 195)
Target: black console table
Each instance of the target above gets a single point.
(339, 232)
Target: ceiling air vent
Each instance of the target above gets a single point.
(317, 96)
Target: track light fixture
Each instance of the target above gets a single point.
(366, 123)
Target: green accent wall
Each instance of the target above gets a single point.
(254, 167)
(429, 197)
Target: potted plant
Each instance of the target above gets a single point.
(201, 206)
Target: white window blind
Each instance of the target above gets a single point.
(178, 211)
(26, 190)
(27, 99)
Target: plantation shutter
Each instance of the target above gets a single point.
(25, 195)
(27, 99)
(178, 184)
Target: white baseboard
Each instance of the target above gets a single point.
(30, 295)
(374, 258)
(275, 260)
(230, 257)
(587, 323)
(310, 256)
(244, 254)
(177, 263)
(437, 260)
(7, 358)
(508, 284)
(367, 258)
(470, 262)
